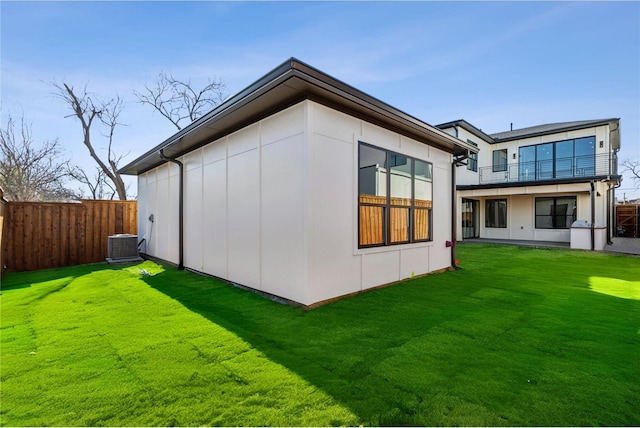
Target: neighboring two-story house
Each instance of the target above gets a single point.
(533, 183)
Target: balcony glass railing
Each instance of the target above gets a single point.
(552, 169)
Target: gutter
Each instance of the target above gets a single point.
(180, 209)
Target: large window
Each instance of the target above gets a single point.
(499, 160)
(395, 198)
(495, 213)
(559, 159)
(555, 213)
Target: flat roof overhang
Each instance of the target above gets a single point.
(286, 85)
(610, 178)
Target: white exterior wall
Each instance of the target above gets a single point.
(521, 210)
(158, 192)
(273, 207)
(336, 265)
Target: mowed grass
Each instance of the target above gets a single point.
(519, 336)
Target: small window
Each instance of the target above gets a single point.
(499, 160)
(472, 162)
(555, 213)
(495, 213)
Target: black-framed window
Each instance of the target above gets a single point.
(472, 162)
(395, 198)
(499, 160)
(495, 213)
(558, 159)
(556, 213)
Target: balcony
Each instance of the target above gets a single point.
(553, 169)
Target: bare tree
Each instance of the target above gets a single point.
(98, 185)
(87, 108)
(30, 172)
(178, 101)
(633, 168)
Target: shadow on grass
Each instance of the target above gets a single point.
(458, 348)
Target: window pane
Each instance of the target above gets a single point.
(544, 157)
(527, 163)
(499, 160)
(400, 179)
(564, 159)
(399, 225)
(495, 213)
(555, 213)
(423, 184)
(565, 213)
(421, 224)
(585, 156)
(372, 180)
(371, 225)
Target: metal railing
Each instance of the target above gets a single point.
(558, 169)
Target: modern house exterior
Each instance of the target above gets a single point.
(302, 187)
(534, 183)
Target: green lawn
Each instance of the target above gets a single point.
(517, 337)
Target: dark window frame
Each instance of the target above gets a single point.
(472, 161)
(493, 221)
(554, 216)
(576, 160)
(388, 205)
(501, 166)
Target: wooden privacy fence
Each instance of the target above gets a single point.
(628, 221)
(43, 235)
(372, 219)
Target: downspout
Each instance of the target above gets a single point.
(593, 215)
(180, 210)
(454, 207)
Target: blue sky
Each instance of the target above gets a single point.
(491, 63)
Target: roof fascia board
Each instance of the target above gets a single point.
(557, 130)
(279, 76)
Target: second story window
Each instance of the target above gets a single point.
(472, 162)
(499, 160)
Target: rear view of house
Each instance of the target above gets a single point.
(302, 187)
(534, 183)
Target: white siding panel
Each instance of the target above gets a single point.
(152, 209)
(282, 125)
(380, 268)
(380, 137)
(283, 217)
(440, 255)
(333, 268)
(193, 227)
(214, 152)
(243, 140)
(244, 219)
(142, 210)
(414, 261)
(173, 252)
(214, 229)
(334, 124)
(161, 217)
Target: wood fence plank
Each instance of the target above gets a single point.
(48, 235)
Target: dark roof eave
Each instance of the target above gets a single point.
(291, 82)
(469, 127)
(538, 183)
(590, 124)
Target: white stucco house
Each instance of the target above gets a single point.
(302, 187)
(534, 183)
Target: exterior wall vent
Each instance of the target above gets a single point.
(122, 248)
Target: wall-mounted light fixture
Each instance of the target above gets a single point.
(601, 144)
(514, 155)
